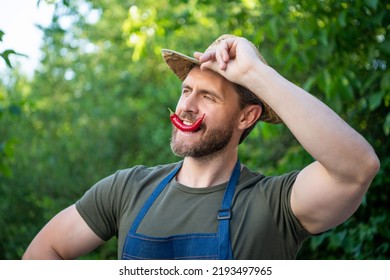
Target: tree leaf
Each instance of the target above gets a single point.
(375, 100)
(309, 83)
(386, 125)
(5, 55)
(372, 4)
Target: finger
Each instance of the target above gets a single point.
(208, 55)
(210, 65)
(225, 50)
(197, 55)
(220, 57)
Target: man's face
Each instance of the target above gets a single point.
(205, 92)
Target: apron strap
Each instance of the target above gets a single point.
(152, 198)
(224, 215)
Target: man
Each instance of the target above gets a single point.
(210, 206)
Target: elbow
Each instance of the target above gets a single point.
(373, 165)
(370, 168)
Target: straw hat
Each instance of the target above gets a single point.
(182, 64)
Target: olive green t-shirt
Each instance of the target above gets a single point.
(262, 224)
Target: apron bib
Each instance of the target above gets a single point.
(202, 246)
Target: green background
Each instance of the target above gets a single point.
(98, 102)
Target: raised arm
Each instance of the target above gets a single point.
(329, 190)
(66, 236)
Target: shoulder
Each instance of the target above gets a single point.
(103, 205)
(254, 179)
(126, 183)
(139, 172)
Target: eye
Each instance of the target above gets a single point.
(185, 91)
(209, 97)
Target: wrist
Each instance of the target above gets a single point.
(258, 79)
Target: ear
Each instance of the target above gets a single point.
(249, 115)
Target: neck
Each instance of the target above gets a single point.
(207, 171)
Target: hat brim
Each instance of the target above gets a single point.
(182, 64)
(179, 63)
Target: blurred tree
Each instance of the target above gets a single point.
(7, 146)
(99, 101)
(10, 110)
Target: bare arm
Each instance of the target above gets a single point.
(66, 236)
(329, 190)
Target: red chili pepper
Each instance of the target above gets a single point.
(176, 121)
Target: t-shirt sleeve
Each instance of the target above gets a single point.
(279, 199)
(100, 205)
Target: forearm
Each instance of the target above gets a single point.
(339, 148)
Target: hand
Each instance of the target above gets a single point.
(230, 56)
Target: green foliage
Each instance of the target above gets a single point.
(6, 53)
(98, 102)
(6, 145)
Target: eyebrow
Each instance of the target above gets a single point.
(204, 91)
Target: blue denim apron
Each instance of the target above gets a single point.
(202, 246)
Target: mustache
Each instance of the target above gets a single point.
(188, 117)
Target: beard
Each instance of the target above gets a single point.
(213, 141)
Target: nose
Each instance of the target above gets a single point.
(188, 103)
